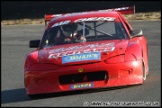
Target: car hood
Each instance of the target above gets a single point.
(80, 53)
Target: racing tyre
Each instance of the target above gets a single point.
(143, 71)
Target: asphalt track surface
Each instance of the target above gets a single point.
(14, 47)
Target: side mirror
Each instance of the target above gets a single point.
(34, 43)
(136, 33)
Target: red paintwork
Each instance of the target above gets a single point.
(123, 65)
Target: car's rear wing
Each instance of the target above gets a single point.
(122, 10)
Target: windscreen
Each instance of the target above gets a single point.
(87, 31)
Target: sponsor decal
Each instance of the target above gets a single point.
(95, 19)
(89, 46)
(116, 9)
(61, 23)
(84, 19)
(104, 47)
(79, 86)
(75, 13)
(56, 15)
(56, 55)
(81, 57)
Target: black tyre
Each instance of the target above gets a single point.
(144, 71)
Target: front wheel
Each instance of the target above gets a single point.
(143, 71)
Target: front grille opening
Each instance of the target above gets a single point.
(83, 77)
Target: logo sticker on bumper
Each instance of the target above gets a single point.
(81, 57)
(79, 86)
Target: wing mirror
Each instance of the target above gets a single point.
(136, 33)
(34, 43)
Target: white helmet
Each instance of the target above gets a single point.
(69, 29)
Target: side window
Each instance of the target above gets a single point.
(120, 31)
(49, 37)
(43, 43)
(126, 23)
(128, 27)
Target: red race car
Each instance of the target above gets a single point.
(94, 49)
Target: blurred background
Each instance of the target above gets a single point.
(11, 10)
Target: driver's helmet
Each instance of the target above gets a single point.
(69, 29)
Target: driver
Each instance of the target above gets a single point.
(70, 33)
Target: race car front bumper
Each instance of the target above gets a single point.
(94, 75)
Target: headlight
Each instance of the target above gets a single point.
(121, 58)
(115, 59)
(129, 57)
